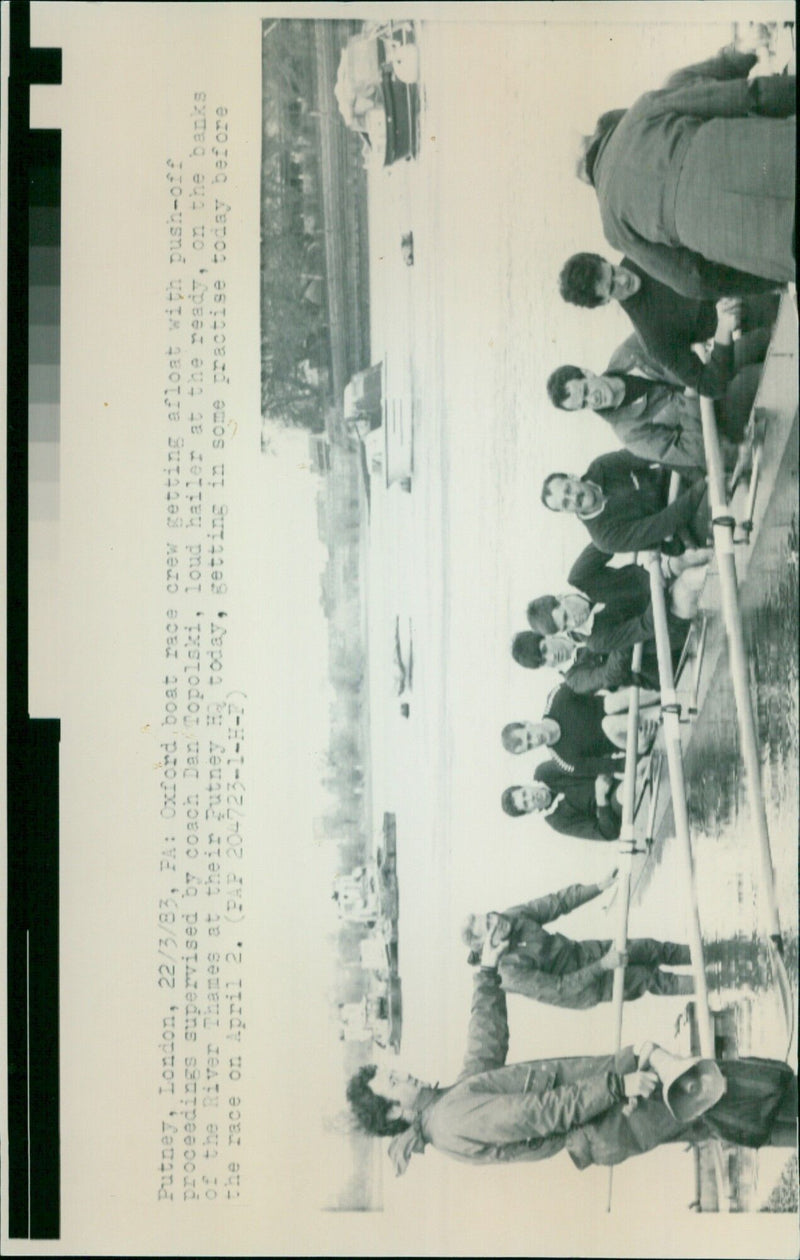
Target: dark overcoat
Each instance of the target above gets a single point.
(636, 516)
(701, 174)
(529, 1111)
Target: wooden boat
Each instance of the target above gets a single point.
(778, 459)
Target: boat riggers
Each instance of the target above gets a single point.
(698, 666)
(755, 441)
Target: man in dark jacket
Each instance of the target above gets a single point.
(585, 671)
(610, 610)
(497, 1113)
(622, 501)
(584, 808)
(669, 325)
(654, 419)
(700, 176)
(555, 969)
(572, 730)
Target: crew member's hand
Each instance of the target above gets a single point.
(643, 1050)
(729, 318)
(648, 729)
(608, 881)
(694, 557)
(610, 878)
(602, 788)
(491, 954)
(639, 1084)
(613, 958)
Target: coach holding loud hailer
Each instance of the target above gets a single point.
(498, 1113)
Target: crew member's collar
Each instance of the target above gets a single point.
(414, 1139)
(583, 631)
(553, 806)
(589, 516)
(570, 661)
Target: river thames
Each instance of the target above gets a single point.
(470, 333)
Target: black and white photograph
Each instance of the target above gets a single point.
(401, 456)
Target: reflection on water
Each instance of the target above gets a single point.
(736, 961)
(746, 961)
(739, 961)
(717, 793)
(772, 632)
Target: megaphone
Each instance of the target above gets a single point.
(691, 1086)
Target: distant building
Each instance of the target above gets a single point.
(377, 1017)
(319, 453)
(357, 895)
(354, 1021)
(374, 954)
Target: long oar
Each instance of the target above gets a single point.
(724, 524)
(670, 710)
(627, 848)
(651, 785)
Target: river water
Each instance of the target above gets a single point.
(470, 333)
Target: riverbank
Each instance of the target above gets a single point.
(344, 196)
